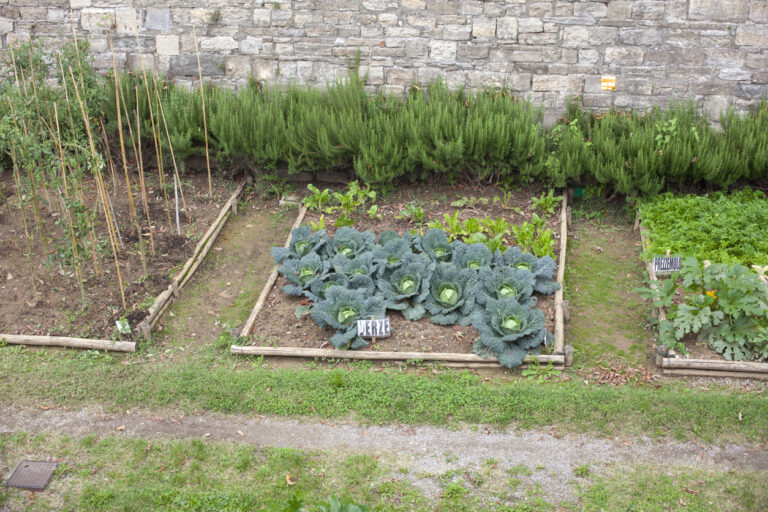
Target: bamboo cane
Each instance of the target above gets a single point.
(205, 124)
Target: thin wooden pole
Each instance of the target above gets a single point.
(205, 124)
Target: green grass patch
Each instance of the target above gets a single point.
(237, 385)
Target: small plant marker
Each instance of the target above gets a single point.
(374, 328)
(667, 264)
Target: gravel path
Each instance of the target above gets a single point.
(427, 452)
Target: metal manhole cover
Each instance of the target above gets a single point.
(32, 475)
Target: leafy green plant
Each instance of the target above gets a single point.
(509, 330)
(546, 202)
(390, 255)
(543, 269)
(318, 200)
(349, 242)
(540, 372)
(344, 221)
(534, 237)
(472, 257)
(412, 212)
(726, 305)
(505, 283)
(301, 272)
(341, 309)
(452, 295)
(722, 228)
(407, 287)
(303, 241)
(319, 225)
(435, 244)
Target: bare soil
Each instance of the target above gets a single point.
(278, 325)
(39, 290)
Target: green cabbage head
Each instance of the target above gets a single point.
(341, 309)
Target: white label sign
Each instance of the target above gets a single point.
(666, 265)
(374, 328)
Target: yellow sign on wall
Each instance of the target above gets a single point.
(608, 83)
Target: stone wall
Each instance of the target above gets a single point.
(714, 51)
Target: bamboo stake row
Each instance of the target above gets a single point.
(688, 367)
(559, 314)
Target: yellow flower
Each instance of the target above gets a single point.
(711, 293)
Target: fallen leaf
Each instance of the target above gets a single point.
(46, 407)
(691, 491)
(288, 479)
(240, 432)
(682, 502)
(120, 428)
(740, 417)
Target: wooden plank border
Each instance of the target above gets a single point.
(371, 355)
(563, 356)
(248, 327)
(63, 341)
(203, 247)
(686, 367)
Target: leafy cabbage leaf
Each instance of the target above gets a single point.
(543, 269)
(350, 242)
(302, 273)
(434, 243)
(473, 257)
(451, 296)
(303, 242)
(341, 309)
(509, 330)
(406, 288)
(389, 256)
(505, 283)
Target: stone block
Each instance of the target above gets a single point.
(483, 27)
(640, 36)
(200, 16)
(186, 65)
(96, 19)
(540, 9)
(158, 19)
(530, 25)
(262, 17)
(442, 52)
(281, 18)
(457, 32)
(624, 55)
(379, 5)
(125, 20)
(537, 38)
(374, 75)
(400, 76)
(757, 60)
(237, 66)
(79, 4)
(471, 7)
(648, 10)
(6, 25)
(133, 62)
(218, 44)
(758, 11)
(577, 36)
(167, 45)
(563, 9)
(264, 70)
(484, 79)
(443, 6)
(472, 51)
(718, 10)
(526, 56)
(714, 106)
(752, 35)
(563, 83)
(416, 48)
(619, 10)
(506, 28)
(250, 45)
(595, 9)
(284, 49)
(734, 74)
(32, 13)
(414, 4)
(752, 91)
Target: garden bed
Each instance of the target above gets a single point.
(278, 326)
(41, 295)
(701, 360)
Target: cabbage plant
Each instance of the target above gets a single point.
(361, 265)
(473, 257)
(505, 283)
(389, 256)
(543, 269)
(341, 309)
(434, 243)
(317, 289)
(406, 287)
(509, 330)
(302, 273)
(451, 296)
(303, 242)
(350, 242)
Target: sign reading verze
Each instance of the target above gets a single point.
(374, 328)
(665, 265)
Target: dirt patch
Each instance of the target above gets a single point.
(39, 289)
(281, 324)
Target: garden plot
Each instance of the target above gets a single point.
(43, 301)
(282, 324)
(713, 304)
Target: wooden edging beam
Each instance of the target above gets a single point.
(248, 327)
(559, 347)
(557, 360)
(166, 297)
(63, 341)
(681, 366)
